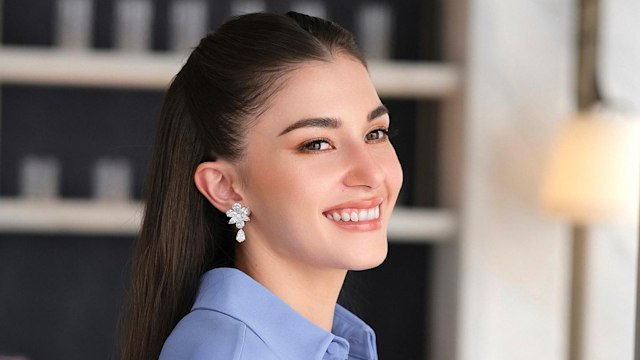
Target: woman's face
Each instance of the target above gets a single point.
(318, 158)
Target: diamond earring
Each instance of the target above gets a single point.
(239, 215)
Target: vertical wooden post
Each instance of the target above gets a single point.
(587, 96)
(578, 272)
(587, 80)
(637, 344)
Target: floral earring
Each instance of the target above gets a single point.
(239, 215)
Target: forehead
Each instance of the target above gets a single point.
(338, 88)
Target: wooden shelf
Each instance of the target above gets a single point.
(117, 69)
(422, 225)
(123, 218)
(70, 216)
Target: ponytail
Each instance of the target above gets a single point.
(174, 247)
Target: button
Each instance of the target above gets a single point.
(333, 348)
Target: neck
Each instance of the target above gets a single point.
(310, 291)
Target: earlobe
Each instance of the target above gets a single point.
(214, 180)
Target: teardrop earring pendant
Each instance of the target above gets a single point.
(238, 215)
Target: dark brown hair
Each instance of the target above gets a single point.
(226, 82)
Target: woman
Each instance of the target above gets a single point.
(276, 114)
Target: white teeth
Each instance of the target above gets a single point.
(354, 215)
(371, 214)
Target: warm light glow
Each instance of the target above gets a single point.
(594, 173)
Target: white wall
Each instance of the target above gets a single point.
(514, 259)
(611, 288)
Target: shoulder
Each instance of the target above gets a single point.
(211, 335)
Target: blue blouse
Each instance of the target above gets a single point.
(236, 318)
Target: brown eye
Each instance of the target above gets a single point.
(316, 145)
(377, 135)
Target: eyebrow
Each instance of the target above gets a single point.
(377, 112)
(328, 122)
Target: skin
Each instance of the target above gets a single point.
(289, 178)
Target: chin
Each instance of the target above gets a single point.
(370, 259)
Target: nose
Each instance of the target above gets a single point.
(364, 168)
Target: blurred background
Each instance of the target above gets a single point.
(485, 261)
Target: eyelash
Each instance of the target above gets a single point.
(305, 147)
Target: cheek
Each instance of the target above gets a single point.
(393, 171)
(272, 179)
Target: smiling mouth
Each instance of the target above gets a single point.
(353, 215)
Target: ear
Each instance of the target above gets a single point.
(216, 181)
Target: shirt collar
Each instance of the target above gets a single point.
(232, 292)
(361, 338)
